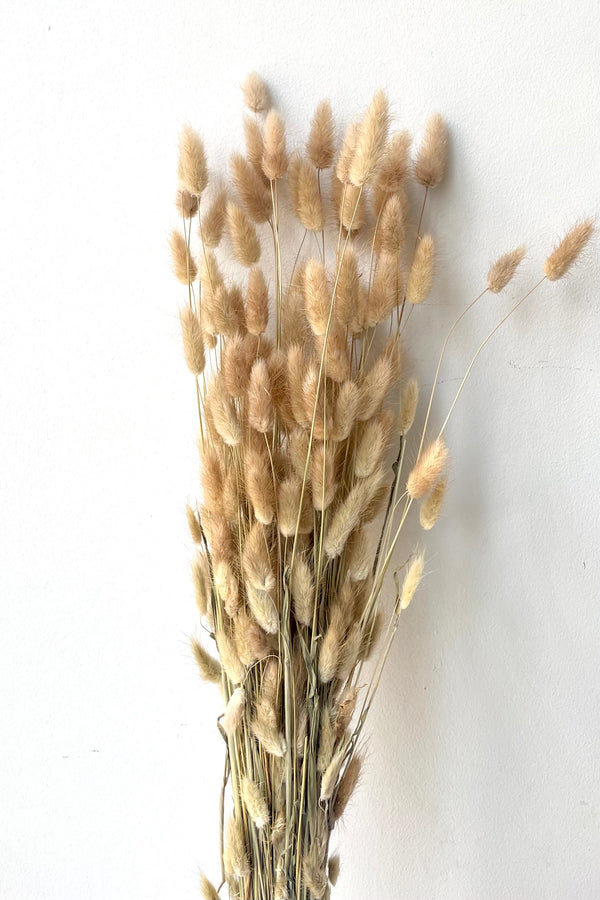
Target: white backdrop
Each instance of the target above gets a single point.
(483, 772)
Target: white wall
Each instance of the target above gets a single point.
(483, 775)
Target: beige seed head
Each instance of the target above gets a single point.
(333, 869)
(233, 666)
(212, 480)
(244, 239)
(502, 271)
(342, 169)
(323, 474)
(374, 386)
(385, 290)
(234, 711)
(349, 513)
(359, 555)
(255, 93)
(194, 524)
(320, 147)
(226, 586)
(251, 642)
(223, 412)
(412, 580)
(392, 225)
(427, 469)
(432, 505)
(193, 342)
(566, 252)
(346, 786)
(430, 164)
(235, 856)
(260, 402)
(259, 485)
(275, 158)
(331, 774)
(420, 277)
(345, 710)
(213, 221)
(305, 194)
(408, 405)
(262, 606)
(372, 444)
(314, 875)
(208, 666)
(257, 302)
(256, 560)
(350, 205)
(186, 204)
(207, 888)
(289, 493)
(191, 169)
(317, 296)
(345, 410)
(269, 736)
(255, 802)
(393, 169)
(201, 579)
(182, 261)
(253, 137)
(303, 591)
(371, 139)
(252, 190)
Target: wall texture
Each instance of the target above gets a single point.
(483, 770)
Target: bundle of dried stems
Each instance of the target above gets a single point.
(301, 400)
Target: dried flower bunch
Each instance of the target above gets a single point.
(303, 408)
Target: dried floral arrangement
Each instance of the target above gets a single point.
(304, 416)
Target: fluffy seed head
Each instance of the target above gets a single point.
(304, 193)
(207, 888)
(244, 239)
(421, 271)
(186, 204)
(223, 412)
(566, 252)
(392, 225)
(346, 786)
(275, 158)
(255, 92)
(194, 524)
(320, 147)
(235, 856)
(430, 163)
(257, 302)
(412, 580)
(371, 140)
(393, 169)
(183, 263)
(408, 405)
(213, 221)
(234, 711)
(255, 802)
(303, 591)
(342, 169)
(317, 296)
(349, 513)
(427, 469)
(333, 869)
(260, 402)
(432, 505)
(259, 485)
(201, 580)
(253, 137)
(191, 169)
(208, 666)
(193, 342)
(230, 660)
(502, 271)
(251, 188)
